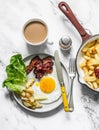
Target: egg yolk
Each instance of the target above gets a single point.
(37, 84)
(47, 84)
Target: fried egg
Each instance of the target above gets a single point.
(48, 87)
(47, 84)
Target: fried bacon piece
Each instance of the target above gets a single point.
(47, 65)
(38, 69)
(40, 66)
(31, 64)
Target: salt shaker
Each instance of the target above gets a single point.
(65, 43)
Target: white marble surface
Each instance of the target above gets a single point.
(13, 14)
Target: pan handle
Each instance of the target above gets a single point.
(64, 7)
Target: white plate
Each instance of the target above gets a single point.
(46, 106)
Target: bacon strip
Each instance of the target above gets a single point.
(31, 65)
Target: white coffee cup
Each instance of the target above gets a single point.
(36, 36)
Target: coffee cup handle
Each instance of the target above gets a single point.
(50, 42)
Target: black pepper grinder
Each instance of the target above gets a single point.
(65, 43)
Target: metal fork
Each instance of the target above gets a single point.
(72, 74)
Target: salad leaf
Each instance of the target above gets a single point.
(16, 74)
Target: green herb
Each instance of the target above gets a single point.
(16, 74)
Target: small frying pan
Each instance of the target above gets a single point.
(86, 38)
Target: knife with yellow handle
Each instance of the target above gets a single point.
(60, 78)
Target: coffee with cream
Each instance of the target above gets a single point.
(35, 32)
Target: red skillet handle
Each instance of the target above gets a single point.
(64, 7)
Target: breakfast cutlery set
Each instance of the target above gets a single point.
(68, 105)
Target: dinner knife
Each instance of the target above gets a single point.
(61, 81)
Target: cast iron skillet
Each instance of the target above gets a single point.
(86, 38)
